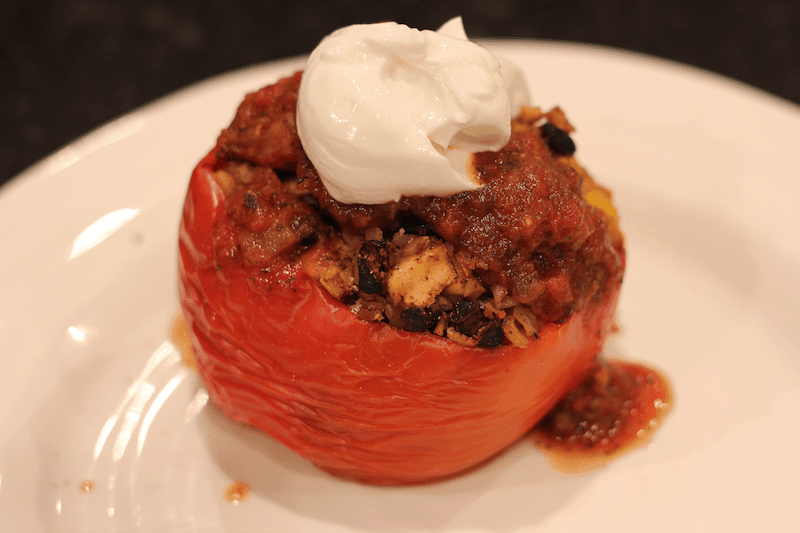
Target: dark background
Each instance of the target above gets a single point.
(68, 66)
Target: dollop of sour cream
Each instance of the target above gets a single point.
(385, 110)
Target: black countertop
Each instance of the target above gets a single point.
(68, 66)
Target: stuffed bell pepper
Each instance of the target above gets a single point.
(396, 286)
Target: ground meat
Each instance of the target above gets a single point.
(482, 267)
(264, 220)
(264, 130)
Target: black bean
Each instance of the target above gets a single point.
(470, 324)
(414, 225)
(491, 335)
(368, 283)
(419, 319)
(463, 309)
(373, 262)
(557, 139)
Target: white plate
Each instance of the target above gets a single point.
(706, 173)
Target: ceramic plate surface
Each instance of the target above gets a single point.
(102, 428)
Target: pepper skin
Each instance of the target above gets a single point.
(363, 400)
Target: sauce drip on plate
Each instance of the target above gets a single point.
(180, 336)
(237, 492)
(615, 409)
(86, 486)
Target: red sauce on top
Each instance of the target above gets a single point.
(616, 408)
(529, 229)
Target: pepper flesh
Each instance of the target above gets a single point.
(364, 400)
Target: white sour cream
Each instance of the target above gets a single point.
(385, 110)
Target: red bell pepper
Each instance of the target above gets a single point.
(360, 399)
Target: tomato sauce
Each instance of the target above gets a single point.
(616, 408)
(237, 492)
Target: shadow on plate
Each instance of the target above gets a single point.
(516, 488)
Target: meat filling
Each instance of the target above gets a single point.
(536, 243)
